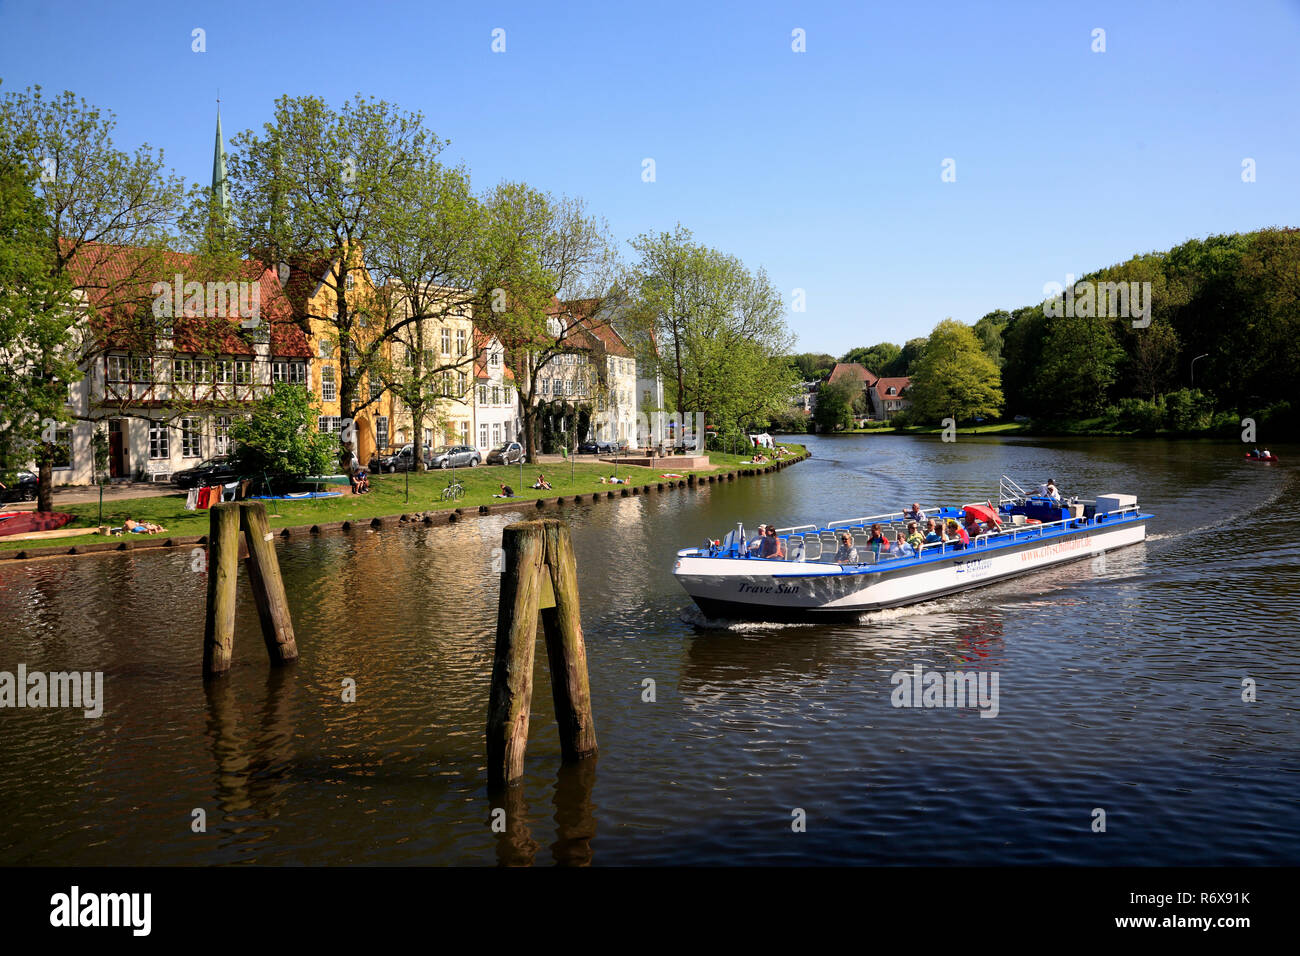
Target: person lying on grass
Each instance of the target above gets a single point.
(140, 527)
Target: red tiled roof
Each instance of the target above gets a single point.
(849, 373)
(899, 384)
(118, 283)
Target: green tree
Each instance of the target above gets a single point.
(812, 366)
(1078, 367)
(834, 409)
(954, 377)
(989, 331)
(904, 363)
(280, 438)
(874, 359)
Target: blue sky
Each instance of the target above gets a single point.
(824, 167)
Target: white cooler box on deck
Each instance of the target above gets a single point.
(1108, 503)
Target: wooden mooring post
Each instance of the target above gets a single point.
(226, 522)
(539, 574)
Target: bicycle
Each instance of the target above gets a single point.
(454, 490)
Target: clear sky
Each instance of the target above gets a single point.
(824, 166)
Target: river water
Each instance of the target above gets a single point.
(1120, 684)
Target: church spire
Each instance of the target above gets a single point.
(220, 191)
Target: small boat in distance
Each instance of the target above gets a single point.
(727, 580)
(1267, 458)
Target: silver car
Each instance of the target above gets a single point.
(455, 456)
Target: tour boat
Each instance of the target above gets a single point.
(727, 580)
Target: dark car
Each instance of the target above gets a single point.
(213, 471)
(508, 454)
(403, 460)
(455, 456)
(22, 488)
(595, 446)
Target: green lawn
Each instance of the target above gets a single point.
(388, 496)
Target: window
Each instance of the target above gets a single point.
(160, 443)
(350, 281)
(494, 357)
(462, 346)
(381, 431)
(62, 447)
(203, 371)
(445, 379)
(328, 387)
(462, 384)
(141, 369)
(428, 437)
(294, 373)
(482, 394)
(221, 434)
(243, 371)
(464, 433)
(118, 369)
(182, 370)
(446, 341)
(190, 438)
(376, 390)
(496, 395)
(326, 349)
(496, 435)
(483, 437)
(329, 424)
(225, 371)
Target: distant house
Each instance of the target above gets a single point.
(888, 396)
(851, 374)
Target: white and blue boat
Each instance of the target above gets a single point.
(727, 580)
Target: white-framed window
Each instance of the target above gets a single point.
(329, 424)
(462, 345)
(117, 369)
(191, 438)
(182, 370)
(464, 433)
(428, 437)
(376, 389)
(203, 371)
(141, 368)
(221, 434)
(160, 441)
(243, 371)
(225, 369)
(62, 448)
(496, 435)
(494, 357)
(350, 281)
(462, 385)
(496, 395)
(294, 373)
(482, 394)
(483, 437)
(381, 431)
(446, 340)
(328, 387)
(445, 378)
(325, 349)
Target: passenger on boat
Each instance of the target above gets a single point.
(1266, 454)
(901, 548)
(957, 535)
(1052, 492)
(915, 514)
(877, 540)
(934, 532)
(771, 545)
(754, 545)
(847, 554)
(914, 537)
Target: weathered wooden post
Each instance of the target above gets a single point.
(223, 575)
(268, 585)
(539, 574)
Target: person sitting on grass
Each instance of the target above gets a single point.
(506, 492)
(541, 484)
(360, 481)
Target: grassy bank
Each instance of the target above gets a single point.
(388, 497)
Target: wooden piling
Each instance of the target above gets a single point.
(267, 584)
(537, 553)
(223, 576)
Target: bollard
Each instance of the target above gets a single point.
(540, 573)
(268, 585)
(223, 575)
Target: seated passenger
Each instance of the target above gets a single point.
(1052, 492)
(914, 537)
(957, 534)
(877, 540)
(902, 548)
(770, 547)
(934, 532)
(915, 514)
(754, 545)
(847, 554)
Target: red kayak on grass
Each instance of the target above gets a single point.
(22, 522)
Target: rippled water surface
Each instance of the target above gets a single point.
(1120, 688)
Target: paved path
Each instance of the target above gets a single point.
(89, 494)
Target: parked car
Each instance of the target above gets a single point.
(455, 456)
(508, 454)
(213, 471)
(595, 446)
(402, 460)
(22, 488)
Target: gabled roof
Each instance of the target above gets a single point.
(898, 383)
(118, 281)
(850, 373)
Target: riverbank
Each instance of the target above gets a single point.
(390, 500)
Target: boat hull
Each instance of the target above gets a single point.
(745, 589)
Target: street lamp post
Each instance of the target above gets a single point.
(1193, 367)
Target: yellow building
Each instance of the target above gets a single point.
(312, 286)
(449, 353)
